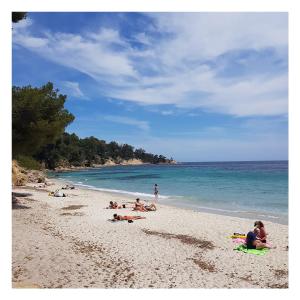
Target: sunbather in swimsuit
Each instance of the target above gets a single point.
(127, 218)
(260, 231)
(150, 207)
(139, 206)
(114, 205)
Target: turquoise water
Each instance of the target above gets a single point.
(247, 189)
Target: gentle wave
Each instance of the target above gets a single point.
(269, 216)
(90, 187)
(220, 209)
(242, 212)
(239, 213)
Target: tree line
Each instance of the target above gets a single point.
(39, 120)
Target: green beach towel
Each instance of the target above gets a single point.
(244, 249)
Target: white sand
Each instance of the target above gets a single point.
(69, 248)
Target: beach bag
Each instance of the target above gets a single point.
(58, 194)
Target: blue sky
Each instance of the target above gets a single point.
(194, 86)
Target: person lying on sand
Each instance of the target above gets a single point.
(68, 187)
(42, 185)
(114, 205)
(253, 243)
(151, 207)
(126, 218)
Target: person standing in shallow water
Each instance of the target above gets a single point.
(155, 193)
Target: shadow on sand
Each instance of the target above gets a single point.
(15, 204)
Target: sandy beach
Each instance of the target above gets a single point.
(69, 243)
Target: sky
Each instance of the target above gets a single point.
(192, 86)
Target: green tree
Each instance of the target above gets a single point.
(49, 155)
(127, 152)
(139, 153)
(113, 150)
(155, 159)
(90, 148)
(38, 118)
(18, 16)
(162, 159)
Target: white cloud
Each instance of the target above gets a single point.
(73, 89)
(127, 121)
(207, 35)
(107, 36)
(84, 53)
(21, 37)
(22, 24)
(143, 39)
(167, 112)
(180, 76)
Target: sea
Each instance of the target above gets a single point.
(248, 189)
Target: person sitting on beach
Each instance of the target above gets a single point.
(253, 243)
(126, 218)
(260, 231)
(142, 207)
(57, 193)
(114, 205)
(139, 206)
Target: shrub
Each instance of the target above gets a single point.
(28, 162)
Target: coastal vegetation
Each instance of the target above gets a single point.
(39, 120)
(22, 176)
(18, 16)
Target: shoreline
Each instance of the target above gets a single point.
(68, 243)
(275, 218)
(110, 164)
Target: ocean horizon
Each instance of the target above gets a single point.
(247, 189)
